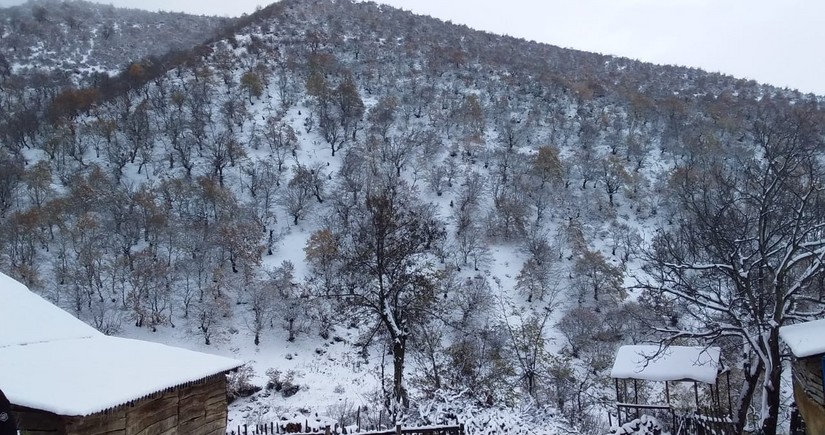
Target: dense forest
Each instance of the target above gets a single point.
(491, 217)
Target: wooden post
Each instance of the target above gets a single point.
(397, 429)
(672, 413)
(727, 377)
(326, 430)
(696, 393)
(618, 408)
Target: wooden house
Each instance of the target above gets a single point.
(807, 343)
(64, 377)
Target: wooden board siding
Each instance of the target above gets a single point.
(198, 408)
(202, 408)
(812, 413)
(157, 416)
(112, 422)
(38, 422)
(807, 372)
(808, 394)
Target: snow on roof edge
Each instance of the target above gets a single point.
(804, 339)
(60, 364)
(111, 373)
(71, 412)
(673, 363)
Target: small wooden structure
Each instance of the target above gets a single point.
(670, 368)
(807, 343)
(195, 408)
(64, 377)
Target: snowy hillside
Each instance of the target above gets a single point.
(69, 41)
(391, 217)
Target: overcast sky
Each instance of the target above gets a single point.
(771, 41)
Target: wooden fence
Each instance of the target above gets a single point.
(273, 428)
(678, 423)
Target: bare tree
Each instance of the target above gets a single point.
(281, 139)
(384, 269)
(613, 175)
(594, 274)
(305, 184)
(350, 106)
(527, 344)
(261, 301)
(745, 253)
(11, 170)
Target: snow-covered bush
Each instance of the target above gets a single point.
(239, 384)
(525, 417)
(644, 425)
(283, 383)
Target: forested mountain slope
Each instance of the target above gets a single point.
(479, 220)
(69, 41)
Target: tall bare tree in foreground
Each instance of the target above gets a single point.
(383, 254)
(744, 254)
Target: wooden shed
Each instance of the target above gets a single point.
(195, 408)
(807, 343)
(64, 377)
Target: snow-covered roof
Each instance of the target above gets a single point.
(88, 375)
(674, 363)
(805, 339)
(54, 362)
(27, 318)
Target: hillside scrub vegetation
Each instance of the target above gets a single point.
(484, 219)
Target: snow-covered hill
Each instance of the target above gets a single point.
(68, 41)
(237, 200)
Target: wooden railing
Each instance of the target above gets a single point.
(272, 428)
(691, 423)
(429, 430)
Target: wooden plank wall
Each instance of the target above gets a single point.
(812, 413)
(807, 372)
(38, 422)
(199, 408)
(810, 399)
(202, 408)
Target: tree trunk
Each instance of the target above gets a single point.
(399, 392)
(436, 377)
(751, 377)
(771, 386)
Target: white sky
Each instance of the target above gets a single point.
(771, 41)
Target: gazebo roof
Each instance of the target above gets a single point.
(673, 363)
(53, 362)
(805, 339)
